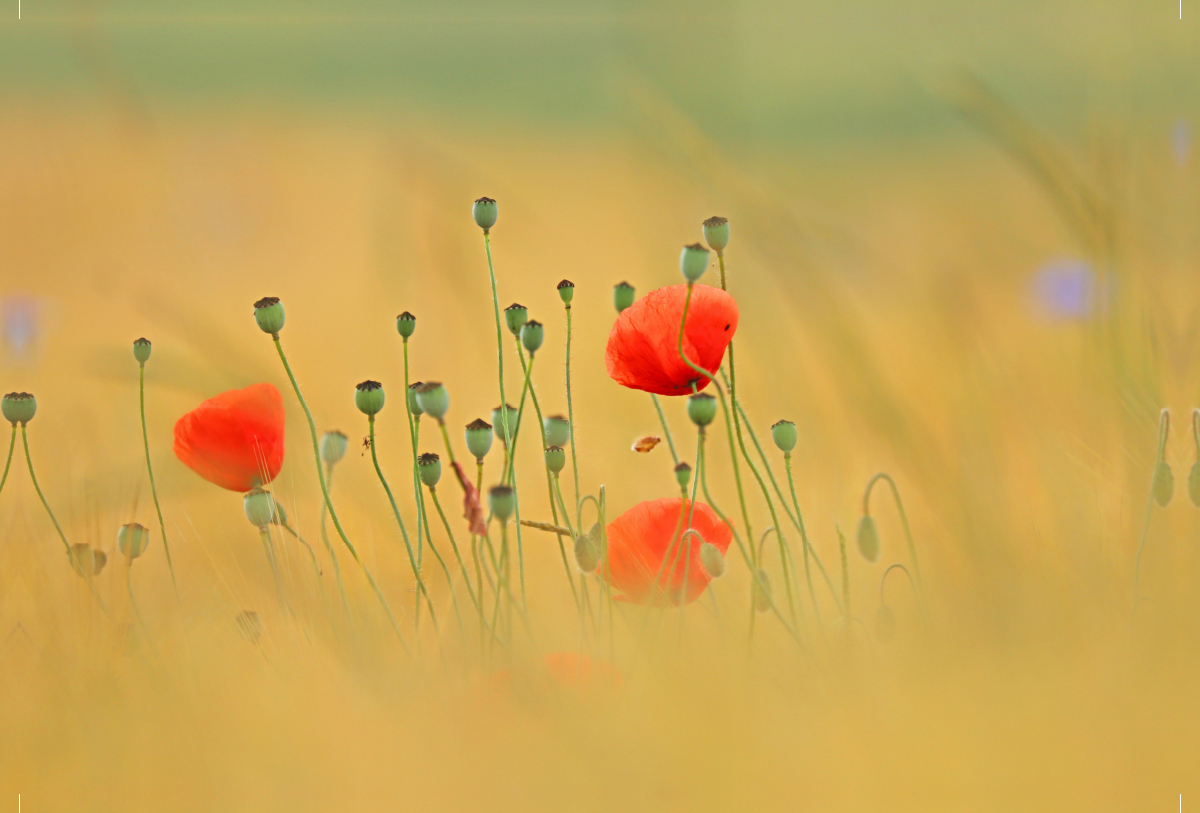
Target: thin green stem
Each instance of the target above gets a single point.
(446, 439)
(557, 492)
(845, 584)
(662, 419)
(150, 470)
(571, 412)
(312, 555)
(264, 533)
(12, 442)
(337, 568)
(787, 462)
(453, 544)
(462, 631)
(414, 433)
(912, 549)
(1164, 430)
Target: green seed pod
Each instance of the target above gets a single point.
(259, 506)
(587, 553)
(716, 233)
(1194, 484)
(556, 459)
(623, 296)
(479, 438)
(515, 316)
(498, 421)
(868, 538)
(280, 517)
(532, 335)
(141, 350)
(1164, 483)
(406, 324)
(885, 624)
(502, 501)
(784, 433)
(713, 560)
(18, 407)
(433, 399)
(566, 291)
(413, 405)
(333, 447)
(249, 625)
(87, 560)
(132, 540)
(558, 430)
(268, 313)
(762, 592)
(430, 467)
(693, 261)
(485, 212)
(702, 408)
(683, 475)
(368, 397)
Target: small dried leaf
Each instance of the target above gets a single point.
(472, 508)
(645, 444)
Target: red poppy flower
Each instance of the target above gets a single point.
(643, 352)
(235, 439)
(638, 541)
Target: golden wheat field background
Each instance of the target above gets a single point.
(964, 252)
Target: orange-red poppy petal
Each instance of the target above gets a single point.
(234, 439)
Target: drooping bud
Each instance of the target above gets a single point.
(502, 502)
(716, 233)
(683, 475)
(86, 560)
(18, 407)
(566, 291)
(784, 434)
(556, 459)
(868, 538)
(515, 316)
(1194, 484)
(132, 540)
(713, 560)
(702, 408)
(587, 551)
(532, 335)
(268, 313)
(558, 430)
(429, 465)
(259, 506)
(693, 261)
(623, 296)
(413, 405)
(141, 350)
(406, 324)
(333, 447)
(249, 625)
(485, 212)
(479, 438)
(1164, 484)
(433, 399)
(498, 421)
(885, 624)
(369, 397)
(762, 591)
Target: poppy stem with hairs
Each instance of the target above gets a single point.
(912, 548)
(571, 413)
(1164, 430)
(476, 600)
(508, 435)
(449, 580)
(264, 533)
(12, 442)
(662, 419)
(150, 471)
(337, 568)
(562, 550)
(787, 462)
(337, 524)
(414, 433)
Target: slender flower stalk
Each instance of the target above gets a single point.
(414, 433)
(912, 549)
(570, 403)
(1164, 430)
(141, 351)
(662, 419)
(12, 442)
(337, 568)
(449, 579)
(457, 555)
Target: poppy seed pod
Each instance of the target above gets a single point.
(132, 540)
(479, 438)
(268, 313)
(868, 538)
(406, 324)
(566, 291)
(87, 560)
(532, 336)
(433, 399)
(485, 213)
(430, 467)
(333, 447)
(587, 553)
(556, 459)
(259, 506)
(558, 430)
(413, 405)
(369, 398)
(502, 501)
(141, 350)
(716, 233)
(1164, 484)
(683, 475)
(885, 624)
(784, 434)
(713, 560)
(498, 421)
(18, 407)
(623, 296)
(702, 408)
(693, 261)
(515, 316)
(1194, 484)
(762, 591)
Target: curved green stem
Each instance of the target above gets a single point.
(12, 442)
(662, 419)
(150, 470)
(912, 549)
(462, 631)
(808, 548)
(1164, 430)
(453, 544)
(337, 568)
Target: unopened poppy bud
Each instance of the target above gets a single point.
(532, 335)
(558, 430)
(702, 408)
(515, 316)
(87, 560)
(369, 398)
(556, 459)
(502, 502)
(683, 475)
(716, 233)
(18, 407)
(566, 291)
(333, 447)
(587, 553)
(268, 313)
(885, 623)
(280, 517)
(868, 538)
(485, 212)
(1194, 484)
(1164, 483)
(713, 560)
(693, 261)
(249, 625)
(762, 591)
(479, 438)
(141, 350)
(413, 405)
(132, 540)
(623, 296)
(498, 421)
(784, 434)
(406, 324)
(430, 467)
(433, 399)
(259, 506)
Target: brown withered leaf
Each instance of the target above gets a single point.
(472, 508)
(645, 444)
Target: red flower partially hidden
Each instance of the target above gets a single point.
(638, 541)
(235, 439)
(643, 352)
